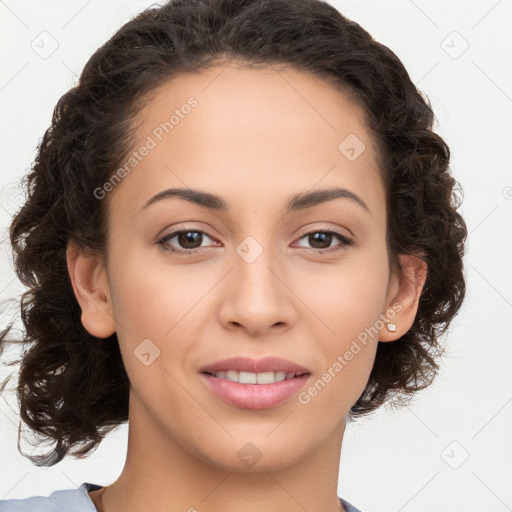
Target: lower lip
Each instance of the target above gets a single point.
(254, 396)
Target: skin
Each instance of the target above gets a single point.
(256, 137)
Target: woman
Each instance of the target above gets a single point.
(174, 242)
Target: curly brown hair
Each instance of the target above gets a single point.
(74, 390)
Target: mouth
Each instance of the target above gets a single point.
(260, 378)
(247, 365)
(249, 383)
(246, 390)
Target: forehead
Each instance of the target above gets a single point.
(250, 133)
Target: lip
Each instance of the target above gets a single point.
(254, 396)
(246, 364)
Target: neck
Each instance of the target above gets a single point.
(162, 473)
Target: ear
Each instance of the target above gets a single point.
(90, 285)
(403, 297)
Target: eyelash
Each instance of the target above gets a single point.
(165, 239)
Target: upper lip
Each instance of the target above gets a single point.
(246, 364)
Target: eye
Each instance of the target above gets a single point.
(321, 240)
(190, 239)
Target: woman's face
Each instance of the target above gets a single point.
(254, 279)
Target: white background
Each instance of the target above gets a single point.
(393, 461)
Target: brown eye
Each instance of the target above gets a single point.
(321, 240)
(187, 241)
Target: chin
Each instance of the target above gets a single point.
(254, 456)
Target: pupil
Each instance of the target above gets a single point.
(322, 236)
(189, 236)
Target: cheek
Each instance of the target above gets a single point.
(154, 302)
(149, 298)
(347, 340)
(349, 303)
(346, 298)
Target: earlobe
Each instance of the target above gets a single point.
(91, 289)
(406, 294)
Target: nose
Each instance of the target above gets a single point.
(258, 293)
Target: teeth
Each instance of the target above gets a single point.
(254, 378)
(232, 375)
(247, 378)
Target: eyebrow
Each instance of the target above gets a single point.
(297, 202)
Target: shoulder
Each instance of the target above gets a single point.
(75, 500)
(68, 500)
(348, 506)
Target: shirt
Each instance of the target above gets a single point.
(74, 500)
